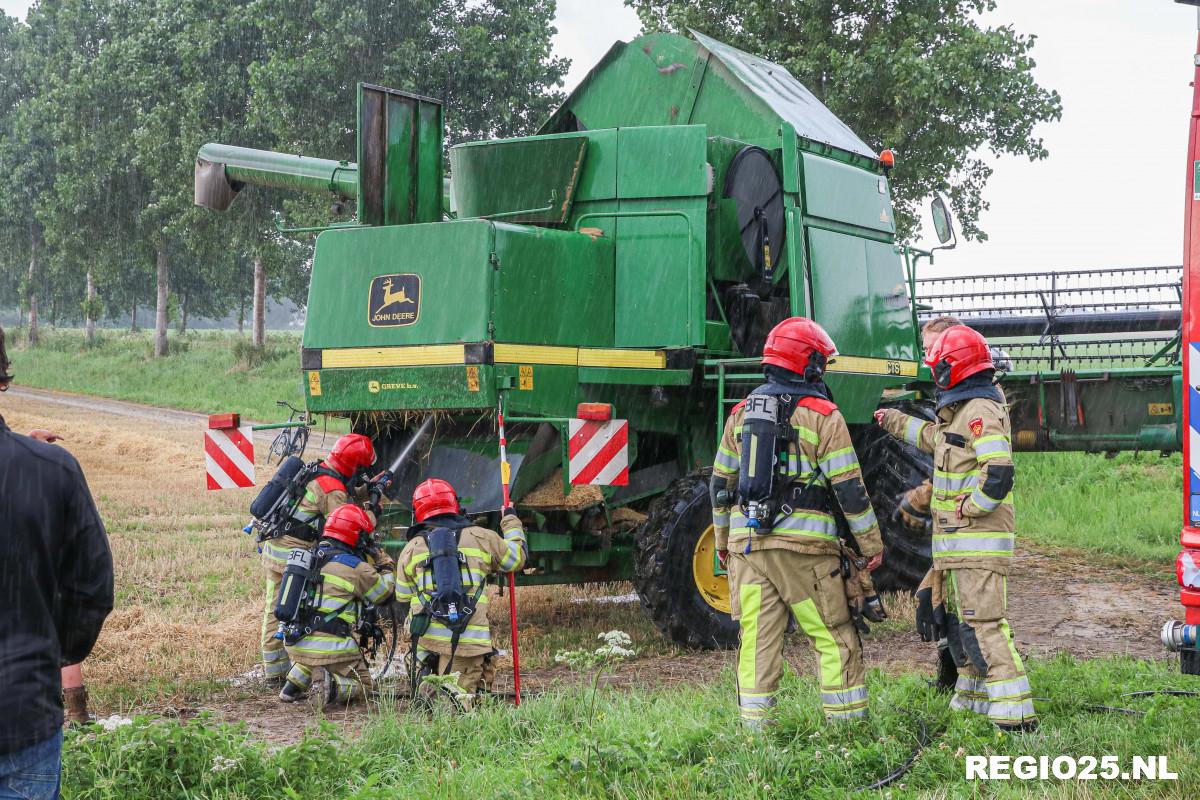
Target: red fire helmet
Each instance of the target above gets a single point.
(347, 523)
(434, 497)
(351, 452)
(958, 353)
(791, 344)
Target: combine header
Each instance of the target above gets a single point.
(619, 272)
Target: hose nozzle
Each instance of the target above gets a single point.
(1177, 636)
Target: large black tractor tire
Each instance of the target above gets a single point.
(675, 537)
(890, 468)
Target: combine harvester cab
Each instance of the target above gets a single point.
(631, 256)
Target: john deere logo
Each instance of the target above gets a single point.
(395, 300)
(373, 387)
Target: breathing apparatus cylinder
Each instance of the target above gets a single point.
(447, 575)
(756, 478)
(295, 585)
(276, 489)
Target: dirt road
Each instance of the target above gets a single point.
(188, 585)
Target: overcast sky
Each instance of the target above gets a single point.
(1111, 192)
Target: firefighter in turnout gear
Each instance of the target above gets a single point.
(323, 494)
(353, 573)
(777, 506)
(964, 598)
(449, 621)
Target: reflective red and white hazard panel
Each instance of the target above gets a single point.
(229, 457)
(598, 452)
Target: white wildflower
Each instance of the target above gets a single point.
(223, 764)
(114, 722)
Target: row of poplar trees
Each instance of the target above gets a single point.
(104, 103)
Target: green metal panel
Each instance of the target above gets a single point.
(451, 261)
(845, 193)
(662, 162)
(400, 157)
(520, 180)
(391, 388)
(859, 295)
(553, 287)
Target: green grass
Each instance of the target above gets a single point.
(674, 742)
(1128, 506)
(207, 371)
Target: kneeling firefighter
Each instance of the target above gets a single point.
(784, 461)
(443, 572)
(964, 597)
(325, 491)
(322, 600)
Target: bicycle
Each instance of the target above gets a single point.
(290, 441)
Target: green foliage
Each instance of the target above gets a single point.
(211, 371)
(682, 741)
(1129, 506)
(104, 103)
(923, 78)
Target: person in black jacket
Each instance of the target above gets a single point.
(56, 589)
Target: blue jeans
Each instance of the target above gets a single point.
(32, 773)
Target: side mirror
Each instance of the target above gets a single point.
(943, 223)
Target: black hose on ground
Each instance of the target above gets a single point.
(923, 740)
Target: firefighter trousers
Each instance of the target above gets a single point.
(766, 586)
(475, 674)
(347, 680)
(275, 658)
(993, 680)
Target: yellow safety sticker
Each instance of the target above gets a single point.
(1162, 410)
(314, 383)
(505, 472)
(526, 382)
(472, 379)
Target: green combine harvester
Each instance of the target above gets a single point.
(635, 252)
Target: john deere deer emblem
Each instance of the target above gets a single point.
(394, 300)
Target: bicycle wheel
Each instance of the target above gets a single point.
(280, 447)
(299, 441)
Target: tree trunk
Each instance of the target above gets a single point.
(160, 315)
(133, 316)
(35, 240)
(183, 311)
(89, 322)
(260, 303)
(242, 315)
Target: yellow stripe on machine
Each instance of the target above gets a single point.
(417, 356)
(535, 354)
(443, 354)
(873, 366)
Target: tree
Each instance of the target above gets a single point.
(922, 77)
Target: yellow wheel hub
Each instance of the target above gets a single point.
(713, 588)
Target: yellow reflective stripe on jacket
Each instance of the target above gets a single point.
(862, 522)
(912, 431)
(839, 461)
(983, 502)
(950, 483)
(989, 447)
(951, 504)
(324, 644)
(341, 583)
(813, 524)
(973, 543)
(514, 550)
(726, 460)
(476, 634)
(384, 586)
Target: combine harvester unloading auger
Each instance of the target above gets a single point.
(610, 281)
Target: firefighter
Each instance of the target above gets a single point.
(788, 560)
(463, 645)
(353, 573)
(323, 494)
(973, 527)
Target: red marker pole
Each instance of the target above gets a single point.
(512, 580)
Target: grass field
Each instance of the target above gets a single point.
(681, 742)
(208, 371)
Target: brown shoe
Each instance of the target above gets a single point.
(75, 703)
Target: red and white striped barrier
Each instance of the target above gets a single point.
(228, 453)
(598, 452)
